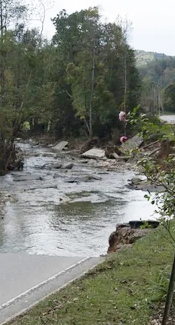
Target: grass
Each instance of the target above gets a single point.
(125, 289)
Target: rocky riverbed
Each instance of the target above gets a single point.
(63, 204)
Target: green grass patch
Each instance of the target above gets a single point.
(124, 289)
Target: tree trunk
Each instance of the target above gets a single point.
(170, 294)
(125, 90)
(91, 96)
(1, 42)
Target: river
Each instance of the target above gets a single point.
(45, 213)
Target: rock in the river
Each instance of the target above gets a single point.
(142, 184)
(56, 166)
(41, 167)
(84, 178)
(43, 188)
(48, 154)
(61, 145)
(58, 176)
(72, 180)
(27, 178)
(115, 155)
(65, 199)
(51, 166)
(136, 181)
(96, 177)
(94, 153)
(68, 166)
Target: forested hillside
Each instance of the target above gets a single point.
(157, 72)
(74, 85)
(144, 57)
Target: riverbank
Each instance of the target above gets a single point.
(128, 288)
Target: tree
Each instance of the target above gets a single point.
(157, 75)
(74, 85)
(9, 10)
(169, 98)
(93, 59)
(26, 92)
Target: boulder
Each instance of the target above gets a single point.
(52, 166)
(96, 177)
(60, 146)
(43, 188)
(142, 184)
(94, 153)
(132, 144)
(72, 180)
(56, 166)
(58, 176)
(115, 155)
(88, 178)
(136, 181)
(48, 154)
(68, 166)
(126, 234)
(84, 178)
(27, 178)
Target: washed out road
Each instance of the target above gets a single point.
(26, 279)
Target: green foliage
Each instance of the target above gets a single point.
(169, 97)
(26, 90)
(146, 225)
(74, 85)
(160, 172)
(150, 127)
(157, 72)
(95, 57)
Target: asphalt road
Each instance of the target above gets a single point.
(27, 279)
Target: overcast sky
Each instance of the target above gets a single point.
(153, 20)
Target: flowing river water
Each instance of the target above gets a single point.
(46, 212)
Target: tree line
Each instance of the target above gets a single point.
(74, 85)
(158, 84)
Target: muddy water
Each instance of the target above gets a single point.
(46, 213)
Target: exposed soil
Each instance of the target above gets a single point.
(124, 236)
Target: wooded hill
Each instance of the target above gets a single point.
(157, 72)
(144, 57)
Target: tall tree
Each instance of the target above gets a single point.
(169, 97)
(95, 58)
